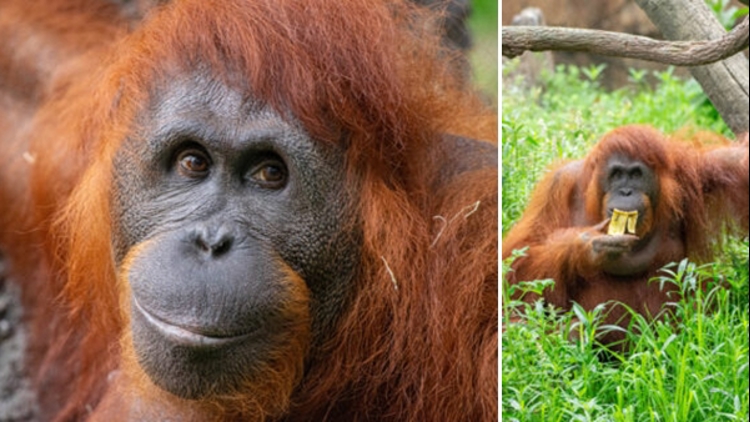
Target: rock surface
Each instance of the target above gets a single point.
(17, 401)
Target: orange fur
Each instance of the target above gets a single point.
(419, 341)
(702, 190)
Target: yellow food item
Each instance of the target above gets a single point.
(622, 221)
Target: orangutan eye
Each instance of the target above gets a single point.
(270, 174)
(193, 163)
(616, 174)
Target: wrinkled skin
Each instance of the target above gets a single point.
(234, 199)
(628, 185)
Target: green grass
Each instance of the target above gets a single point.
(692, 366)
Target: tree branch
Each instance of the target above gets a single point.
(517, 39)
(726, 83)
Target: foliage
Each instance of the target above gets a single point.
(484, 13)
(726, 12)
(484, 57)
(690, 366)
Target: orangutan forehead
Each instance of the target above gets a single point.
(203, 106)
(190, 90)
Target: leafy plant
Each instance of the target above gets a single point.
(690, 366)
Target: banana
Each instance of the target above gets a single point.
(622, 221)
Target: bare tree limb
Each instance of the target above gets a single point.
(517, 39)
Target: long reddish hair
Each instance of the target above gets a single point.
(369, 74)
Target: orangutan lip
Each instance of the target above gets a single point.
(611, 211)
(187, 336)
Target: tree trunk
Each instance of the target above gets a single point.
(725, 82)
